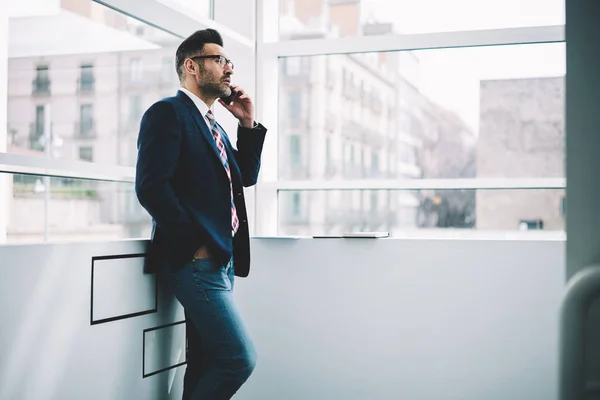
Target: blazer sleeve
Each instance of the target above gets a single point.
(249, 148)
(159, 146)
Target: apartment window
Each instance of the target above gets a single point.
(41, 83)
(295, 106)
(296, 204)
(328, 159)
(86, 119)
(375, 163)
(135, 70)
(86, 153)
(40, 121)
(86, 79)
(295, 151)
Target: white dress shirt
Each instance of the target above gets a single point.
(201, 105)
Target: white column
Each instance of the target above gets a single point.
(5, 193)
(267, 85)
(583, 133)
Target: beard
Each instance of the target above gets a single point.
(213, 85)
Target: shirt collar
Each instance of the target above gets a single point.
(201, 105)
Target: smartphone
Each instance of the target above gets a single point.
(229, 99)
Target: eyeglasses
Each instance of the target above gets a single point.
(221, 60)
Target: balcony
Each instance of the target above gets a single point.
(35, 139)
(86, 85)
(40, 86)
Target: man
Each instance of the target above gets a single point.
(190, 179)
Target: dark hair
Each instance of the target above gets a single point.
(193, 45)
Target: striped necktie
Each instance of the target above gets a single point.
(235, 223)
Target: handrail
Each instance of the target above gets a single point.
(581, 290)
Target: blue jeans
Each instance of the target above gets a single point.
(220, 353)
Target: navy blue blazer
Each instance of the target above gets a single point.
(181, 182)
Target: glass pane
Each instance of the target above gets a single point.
(69, 210)
(451, 113)
(311, 19)
(65, 94)
(403, 212)
(198, 7)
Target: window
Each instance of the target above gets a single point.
(86, 120)
(65, 75)
(197, 7)
(375, 163)
(296, 209)
(40, 122)
(41, 83)
(484, 210)
(76, 211)
(295, 107)
(295, 151)
(461, 113)
(51, 95)
(474, 109)
(345, 18)
(87, 80)
(86, 153)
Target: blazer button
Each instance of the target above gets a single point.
(239, 194)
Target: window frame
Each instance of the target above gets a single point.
(270, 49)
(267, 49)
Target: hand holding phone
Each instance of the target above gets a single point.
(239, 104)
(229, 99)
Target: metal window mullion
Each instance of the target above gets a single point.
(172, 17)
(421, 41)
(421, 184)
(34, 165)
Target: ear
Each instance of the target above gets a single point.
(190, 67)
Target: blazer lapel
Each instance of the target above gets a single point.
(199, 121)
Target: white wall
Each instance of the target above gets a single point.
(404, 319)
(331, 318)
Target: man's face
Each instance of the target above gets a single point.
(212, 78)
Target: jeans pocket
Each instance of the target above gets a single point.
(210, 275)
(202, 270)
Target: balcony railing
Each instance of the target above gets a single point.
(86, 85)
(40, 86)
